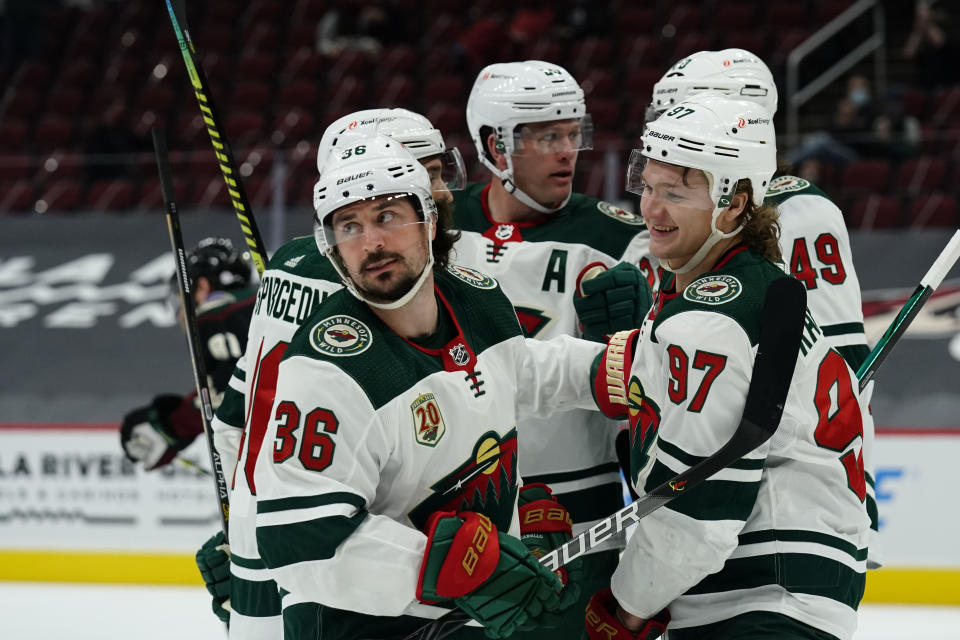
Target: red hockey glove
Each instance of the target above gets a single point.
(602, 622)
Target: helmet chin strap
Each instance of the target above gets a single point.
(715, 236)
(402, 300)
(506, 179)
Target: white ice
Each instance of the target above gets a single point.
(42, 611)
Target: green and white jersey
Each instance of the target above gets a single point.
(786, 528)
(816, 246)
(373, 433)
(538, 264)
(295, 282)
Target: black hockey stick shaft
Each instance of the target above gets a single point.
(221, 148)
(779, 345)
(190, 318)
(928, 284)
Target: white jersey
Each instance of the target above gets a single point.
(816, 247)
(539, 264)
(783, 530)
(373, 433)
(296, 280)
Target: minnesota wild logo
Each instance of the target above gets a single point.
(619, 213)
(486, 482)
(713, 289)
(472, 277)
(786, 184)
(644, 420)
(340, 336)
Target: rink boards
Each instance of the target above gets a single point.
(73, 509)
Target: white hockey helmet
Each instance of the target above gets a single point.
(418, 135)
(509, 94)
(365, 168)
(735, 73)
(729, 140)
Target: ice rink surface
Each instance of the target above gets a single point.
(34, 611)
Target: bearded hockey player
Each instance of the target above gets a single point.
(220, 280)
(296, 280)
(391, 486)
(775, 545)
(527, 228)
(813, 235)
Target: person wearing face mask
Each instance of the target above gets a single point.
(774, 546)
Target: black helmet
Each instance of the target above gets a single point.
(216, 260)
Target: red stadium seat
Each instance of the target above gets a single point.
(591, 53)
(632, 21)
(396, 60)
(445, 88)
(16, 197)
(156, 97)
(33, 74)
(300, 93)
(598, 83)
(77, 73)
(53, 132)
(252, 95)
(787, 15)
(256, 65)
(448, 117)
(13, 134)
(304, 64)
(875, 211)
(686, 18)
(292, 125)
(639, 52)
(23, 103)
(110, 195)
(605, 115)
(915, 102)
(16, 167)
(260, 37)
(64, 102)
(866, 176)
(946, 107)
(61, 196)
(753, 40)
(733, 17)
(544, 49)
(827, 10)
(396, 91)
(933, 210)
(688, 43)
(921, 174)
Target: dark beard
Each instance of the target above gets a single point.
(393, 294)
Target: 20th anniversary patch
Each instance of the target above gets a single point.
(340, 336)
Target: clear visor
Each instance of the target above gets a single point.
(665, 184)
(447, 171)
(558, 136)
(379, 219)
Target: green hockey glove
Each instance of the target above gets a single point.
(213, 560)
(614, 300)
(490, 575)
(545, 524)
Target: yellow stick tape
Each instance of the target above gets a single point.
(913, 586)
(79, 566)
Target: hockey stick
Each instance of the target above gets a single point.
(190, 316)
(780, 333)
(928, 284)
(228, 166)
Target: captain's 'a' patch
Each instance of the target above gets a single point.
(340, 336)
(713, 289)
(617, 213)
(472, 277)
(786, 184)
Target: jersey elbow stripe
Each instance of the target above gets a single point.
(796, 572)
(286, 544)
(711, 500)
(255, 599)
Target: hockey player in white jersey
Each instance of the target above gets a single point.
(527, 228)
(296, 280)
(391, 483)
(813, 235)
(775, 545)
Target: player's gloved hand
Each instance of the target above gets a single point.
(213, 560)
(488, 574)
(603, 624)
(611, 301)
(545, 524)
(151, 435)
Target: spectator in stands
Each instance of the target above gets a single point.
(367, 29)
(850, 134)
(931, 47)
(531, 22)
